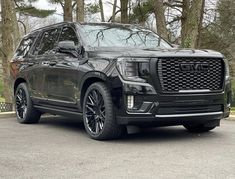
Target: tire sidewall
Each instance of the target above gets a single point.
(23, 86)
(108, 109)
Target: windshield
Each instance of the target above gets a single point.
(121, 36)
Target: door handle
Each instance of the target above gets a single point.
(30, 63)
(49, 63)
(52, 63)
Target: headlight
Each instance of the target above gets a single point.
(133, 69)
(226, 68)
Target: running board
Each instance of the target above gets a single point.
(58, 111)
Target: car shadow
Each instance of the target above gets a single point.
(164, 134)
(65, 123)
(135, 134)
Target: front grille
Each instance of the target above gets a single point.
(180, 74)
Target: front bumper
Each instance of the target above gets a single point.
(152, 106)
(167, 120)
(174, 109)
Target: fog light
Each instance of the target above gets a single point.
(130, 101)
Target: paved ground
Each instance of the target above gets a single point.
(59, 148)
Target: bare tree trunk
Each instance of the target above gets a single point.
(200, 25)
(101, 10)
(114, 10)
(191, 23)
(68, 16)
(16, 31)
(80, 16)
(10, 36)
(160, 18)
(185, 12)
(124, 11)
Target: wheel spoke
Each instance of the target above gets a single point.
(101, 124)
(96, 97)
(90, 109)
(21, 103)
(18, 97)
(97, 127)
(91, 100)
(95, 111)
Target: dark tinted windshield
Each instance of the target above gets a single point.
(121, 36)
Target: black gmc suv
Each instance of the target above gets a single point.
(116, 75)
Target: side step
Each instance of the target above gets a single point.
(58, 111)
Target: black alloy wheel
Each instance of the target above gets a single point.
(95, 112)
(98, 113)
(25, 111)
(21, 104)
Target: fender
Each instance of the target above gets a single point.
(96, 76)
(93, 74)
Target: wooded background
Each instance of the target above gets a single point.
(206, 24)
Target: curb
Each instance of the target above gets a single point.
(7, 114)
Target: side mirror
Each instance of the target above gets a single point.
(66, 45)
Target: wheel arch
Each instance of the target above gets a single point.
(88, 80)
(17, 82)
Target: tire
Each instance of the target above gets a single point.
(25, 112)
(199, 128)
(98, 114)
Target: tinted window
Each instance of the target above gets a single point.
(25, 46)
(48, 40)
(121, 36)
(68, 34)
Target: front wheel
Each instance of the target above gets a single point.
(98, 114)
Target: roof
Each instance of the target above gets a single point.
(85, 23)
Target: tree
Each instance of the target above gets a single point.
(101, 10)
(10, 37)
(80, 12)
(160, 18)
(114, 11)
(68, 15)
(124, 11)
(143, 10)
(191, 22)
(219, 35)
(27, 9)
(10, 34)
(67, 7)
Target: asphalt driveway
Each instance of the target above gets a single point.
(58, 147)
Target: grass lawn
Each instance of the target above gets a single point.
(2, 99)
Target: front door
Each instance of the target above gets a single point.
(61, 79)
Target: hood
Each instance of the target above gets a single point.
(115, 52)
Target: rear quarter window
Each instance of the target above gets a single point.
(25, 46)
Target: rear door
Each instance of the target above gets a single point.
(25, 63)
(44, 51)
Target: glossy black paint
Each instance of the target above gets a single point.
(57, 81)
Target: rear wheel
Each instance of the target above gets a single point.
(25, 112)
(98, 114)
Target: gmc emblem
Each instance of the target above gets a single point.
(194, 67)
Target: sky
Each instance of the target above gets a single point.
(43, 4)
